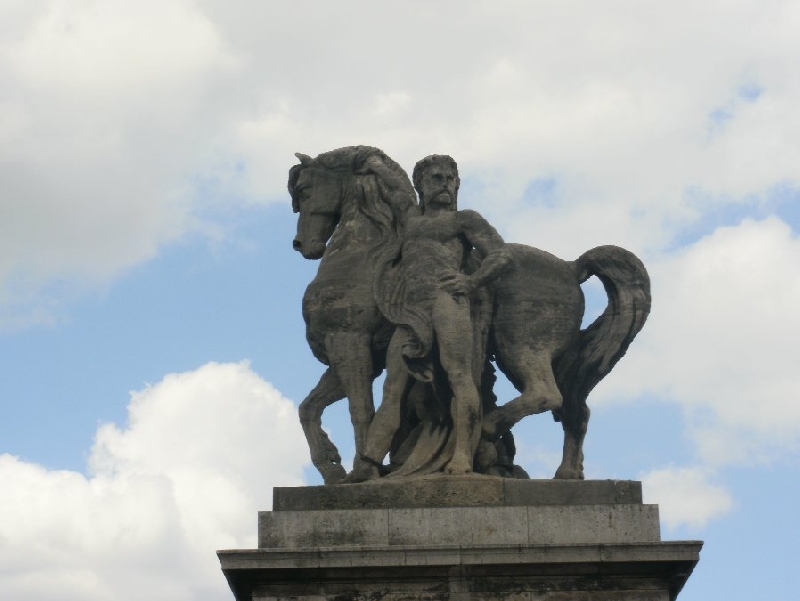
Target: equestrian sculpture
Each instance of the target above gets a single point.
(435, 295)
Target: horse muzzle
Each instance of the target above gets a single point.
(312, 250)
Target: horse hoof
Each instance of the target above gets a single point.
(362, 473)
(333, 473)
(564, 473)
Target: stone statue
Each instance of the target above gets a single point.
(429, 297)
(440, 291)
(345, 221)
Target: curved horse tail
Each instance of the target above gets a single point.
(601, 345)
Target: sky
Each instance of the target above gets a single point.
(152, 351)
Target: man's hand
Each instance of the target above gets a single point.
(458, 284)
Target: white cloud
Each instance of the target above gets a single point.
(721, 340)
(108, 110)
(539, 461)
(185, 478)
(393, 103)
(685, 496)
(644, 119)
(113, 113)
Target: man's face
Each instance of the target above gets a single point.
(438, 185)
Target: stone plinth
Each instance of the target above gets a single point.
(457, 539)
(462, 491)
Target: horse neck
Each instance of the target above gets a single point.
(356, 237)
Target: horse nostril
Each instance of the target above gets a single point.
(296, 244)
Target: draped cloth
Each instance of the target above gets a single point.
(408, 304)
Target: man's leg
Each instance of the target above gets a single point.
(453, 328)
(387, 418)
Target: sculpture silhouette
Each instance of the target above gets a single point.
(352, 219)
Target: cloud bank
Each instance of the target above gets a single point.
(686, 496)
(122, 124)
(184, 478)
(720, 341)
(654, 127)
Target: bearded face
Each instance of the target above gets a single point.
(438, 185)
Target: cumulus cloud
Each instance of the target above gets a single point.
(721, 340)
(184, 478)
(108, 111)
(118, 121)
(686, 496)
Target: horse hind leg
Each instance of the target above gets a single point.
(575, 420)
(324, 454)
(532, 373)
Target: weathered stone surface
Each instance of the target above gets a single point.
(432, 293)
(416, 287)
(449, 491)
(514, 525)
(496, 549)
(458, 526)
(628, 572)
(550, 525)
(322, 528)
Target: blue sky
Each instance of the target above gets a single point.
(151, 340)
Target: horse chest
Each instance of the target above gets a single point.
(353, 236)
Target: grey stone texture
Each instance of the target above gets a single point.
(508, 540)
(435, 507)
(540, 525)
(434, 295)
(642, 572)
(448, 491)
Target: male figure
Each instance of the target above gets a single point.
(430, 303)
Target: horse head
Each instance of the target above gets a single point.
(317, 191)
(321, 186)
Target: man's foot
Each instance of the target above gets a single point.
(458, 465)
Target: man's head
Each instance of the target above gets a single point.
(436, 181)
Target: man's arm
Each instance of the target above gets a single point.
(494, 255)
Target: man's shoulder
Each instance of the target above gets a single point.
(470, 217)
(469, 214)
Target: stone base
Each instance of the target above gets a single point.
(519, 540)
(472, 490)
(641, 572)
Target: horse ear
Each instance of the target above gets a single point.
(304, 158)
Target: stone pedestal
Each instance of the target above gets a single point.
(448, 538)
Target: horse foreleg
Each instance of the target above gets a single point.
(533, 373)
(324, 454)
(350, 355)
(575, 420)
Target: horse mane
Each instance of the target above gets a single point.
(373, 204)
(294, 174)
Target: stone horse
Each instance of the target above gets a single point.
(344, 221)
(535, 336)
(538, 344)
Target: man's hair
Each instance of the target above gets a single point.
(429, 161)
